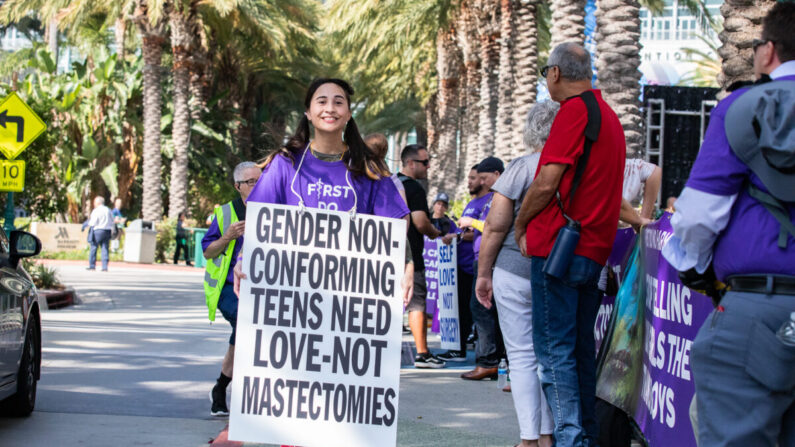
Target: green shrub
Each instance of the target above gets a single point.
(166, 241)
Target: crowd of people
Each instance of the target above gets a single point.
(525, 290)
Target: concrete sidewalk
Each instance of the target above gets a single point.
(164, 305)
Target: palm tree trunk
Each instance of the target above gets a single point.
(432, 125)
(489, 35)
(506, 82)
(618, 50)
(119, 30)
(448, 66)
(568, 22)
(525, 69)
(180, 47)
(470, 94)
(152, 208)
(742, 22)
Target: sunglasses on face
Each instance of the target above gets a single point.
(249, 182)
(756, 43)
(425, 162)
(545, 70)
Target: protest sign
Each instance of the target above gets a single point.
(317, 356)
(645, 366)
(430, 256)
(616, 266)
(447, 301)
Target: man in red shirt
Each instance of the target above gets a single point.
(564, 309)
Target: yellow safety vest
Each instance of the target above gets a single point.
(217, 268)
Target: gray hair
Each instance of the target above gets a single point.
(238, 173)
(538, 123)
(573, 61)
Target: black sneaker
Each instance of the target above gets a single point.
(218, 398)
(427, 360)
(453, 356)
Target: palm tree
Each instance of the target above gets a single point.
(152, 28)
(470, 93)
(618, 59)
(568, 21)
(487, 19)
(742, 22)
(448, 67)
(618, 50)
(525, 61)
(506, 82)
(180, 18)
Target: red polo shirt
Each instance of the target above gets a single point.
(597, 201)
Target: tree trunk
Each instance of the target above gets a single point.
(618, 50)
(152, 208)
(505, 146)
(742, 23)
(180, 47)
(129, 162)
(432, 128)
(489, 35)
(119, 30)
(470, 94)
(568, 22)
(52, 39)
(525, 69)
(448, 67)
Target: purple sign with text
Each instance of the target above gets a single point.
(646, 367)
(431, 257)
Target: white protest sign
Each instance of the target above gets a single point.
(447, 274)
(317, 355)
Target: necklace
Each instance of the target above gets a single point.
(327, 157)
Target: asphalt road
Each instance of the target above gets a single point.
(131, 365)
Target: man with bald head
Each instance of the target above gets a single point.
(564, 306)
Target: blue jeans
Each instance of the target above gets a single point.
(489, 348)
(99, 238)
(564, 313)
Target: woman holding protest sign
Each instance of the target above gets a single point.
(335, 170)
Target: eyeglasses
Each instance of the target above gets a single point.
(545, 69)
(249, 182)
(756, 43)
(425, 162)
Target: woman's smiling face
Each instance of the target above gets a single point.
(329, 110)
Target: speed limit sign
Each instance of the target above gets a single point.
(12, 175)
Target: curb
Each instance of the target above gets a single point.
(57, 299)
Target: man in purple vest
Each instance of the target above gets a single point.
(724, 229)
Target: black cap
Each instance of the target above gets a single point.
(491, 164)
(442, 197)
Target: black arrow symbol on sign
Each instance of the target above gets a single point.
(6, 118)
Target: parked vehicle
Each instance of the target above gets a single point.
(20, 326)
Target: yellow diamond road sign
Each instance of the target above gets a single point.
(19, 126)
(12, 175)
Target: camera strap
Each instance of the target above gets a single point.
(591, 135)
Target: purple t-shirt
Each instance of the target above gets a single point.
(212, 235)
(750, 240)
(325, 185)
(478, 235)
(466, 254)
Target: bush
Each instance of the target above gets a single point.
(43, 277)
(166, 239)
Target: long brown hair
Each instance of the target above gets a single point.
(359, 159)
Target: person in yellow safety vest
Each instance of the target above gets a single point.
(221, 246)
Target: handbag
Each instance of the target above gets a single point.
(559, 259)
